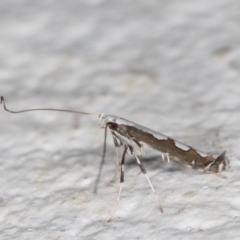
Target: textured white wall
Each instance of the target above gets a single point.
(173, 66)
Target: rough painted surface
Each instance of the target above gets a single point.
(173, 66)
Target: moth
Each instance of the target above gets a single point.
(132, 137)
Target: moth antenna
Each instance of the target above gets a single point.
(2, 101)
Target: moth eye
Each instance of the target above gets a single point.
(113, 126)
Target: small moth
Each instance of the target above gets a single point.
(132, 137)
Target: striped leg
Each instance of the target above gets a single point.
(121, 182)
(117, 145)
(143, 170)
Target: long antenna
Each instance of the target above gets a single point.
(2, 101)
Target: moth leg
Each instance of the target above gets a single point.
(167, 156)
(117, 145)
(168, 159)
(139, 145)
(121, 182)
(102, 161)
(143, 170)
